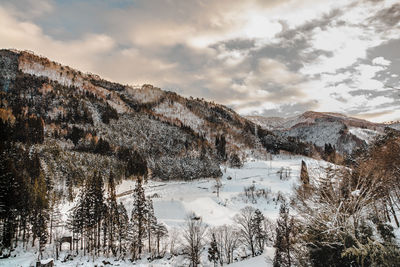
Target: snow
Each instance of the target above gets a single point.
(364, 134)
(174, 200)
(180, 112)
(145, 94)
(356, 193)
(54, 74)
(263, 260)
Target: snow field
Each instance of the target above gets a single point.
(174, 200)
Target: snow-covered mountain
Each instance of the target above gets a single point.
(394, 125)
(80, 123)
(345, 133)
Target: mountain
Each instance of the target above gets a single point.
(394, 125)
(320, 128)
(71, 124)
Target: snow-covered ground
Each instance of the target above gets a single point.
(174, 200)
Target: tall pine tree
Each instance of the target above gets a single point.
(112, 220)
(40, 212)
(283, 241)
(139, 218)
(213, 253)
(151, 221)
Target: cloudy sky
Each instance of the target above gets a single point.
(265, 57)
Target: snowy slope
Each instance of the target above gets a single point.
(173, 200)
(345, 133)
(364, 134)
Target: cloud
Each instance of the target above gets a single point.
(390, 16)
(263, 57)
(81, 53)
(381, 61)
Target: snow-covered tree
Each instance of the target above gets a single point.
(111, 221)
(213, 252)
(284, 235)
(247, 232)
(139, 217)
(40, 213)
(151, 222)
(194, 236)
(258, 225)
(160, 232)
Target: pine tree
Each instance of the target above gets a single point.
(220, 144)
(139, 215)
(123, 228)
(151, 221)
(40, 213)
(284, 233)
(54, 214)
(112, 223)
(96, 208)
(7, 213)
(259, 230)
(213, 253)
(304, 173)
(160, 232)
(89, 212)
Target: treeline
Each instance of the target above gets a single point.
(25, 199)
(101, 226)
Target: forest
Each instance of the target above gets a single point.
(346, 216)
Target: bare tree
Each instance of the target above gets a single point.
(246, 230)
(226, 237)
(217, 185)
(193, 235)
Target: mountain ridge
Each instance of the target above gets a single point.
(345, 133)
(80, 123)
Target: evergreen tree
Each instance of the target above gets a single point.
(258, 226)
(7, 208)
(235, 161)
(284, 233)
(54, 214)
(304, 173)
(220, 144)
(213, 253)
(123, 228)
(89, 212)
(160, 232)
(96, 207)
(40, 212)
(139, 216)
(112, 220)
(151, 221)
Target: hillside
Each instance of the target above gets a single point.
(75, 148)
(320, 128)
(75, 123)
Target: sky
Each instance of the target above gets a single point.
(259, 57)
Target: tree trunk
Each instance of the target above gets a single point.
(51, 228)
(393, 212)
